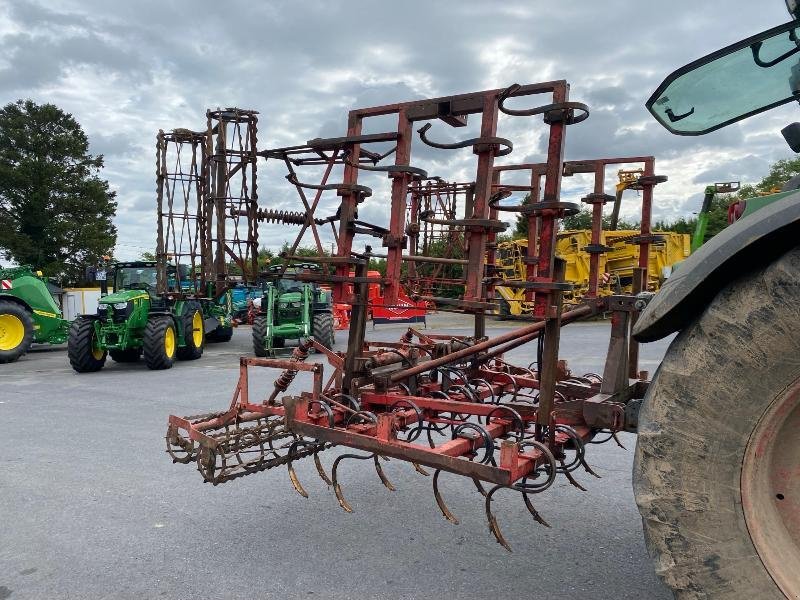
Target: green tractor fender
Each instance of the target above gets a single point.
(745, 245)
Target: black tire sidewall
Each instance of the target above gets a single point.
(716, 381)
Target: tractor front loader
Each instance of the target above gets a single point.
(28, 313)
(292, 310)
(134, 321)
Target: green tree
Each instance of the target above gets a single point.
(55, 211)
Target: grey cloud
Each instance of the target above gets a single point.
(153, 64)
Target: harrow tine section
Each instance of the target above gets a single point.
(531, 509)
(418, 468)
(569, 476)
(318, 464)
(337, 489)
(480, 487)
(493, 525)
(290, 467)
(440, 501)
(384, 480)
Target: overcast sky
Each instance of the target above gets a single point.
(126, 69)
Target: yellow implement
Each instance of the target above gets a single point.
(615, 267)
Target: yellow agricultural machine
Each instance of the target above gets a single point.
(617, 265)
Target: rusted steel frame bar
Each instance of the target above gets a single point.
(552, 192)
(398, 209)
(309, 208)
(647, 212)
(491, 242)
(437, 404)
(549, 366)
(477, 236)
(597, 229)
(358, 324)
(524, 90)
(639, 284)
(349, 202)
(443, 457)
(571, 315)
(426, 259)
(413, 218)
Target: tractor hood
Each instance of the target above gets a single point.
(290, 297)
(122, 296)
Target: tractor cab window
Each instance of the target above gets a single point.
(135, 278)
(746, 78)
(288, 285)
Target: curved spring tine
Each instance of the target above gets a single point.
(569, 476)
(531, 509)
(290, 466)
(337, 489)
(616, 439)
(323, 475)
(480, 487)
(430, 437)
(440, 502)
(384, 480)
(493, 526)
(420, 470)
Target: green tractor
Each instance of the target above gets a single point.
(28, 313)
(135, 321)
(292, 310)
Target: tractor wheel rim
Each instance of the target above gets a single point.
(12, 332)
(197, 329)
(97, 353)
(770, 487)
(169, 342)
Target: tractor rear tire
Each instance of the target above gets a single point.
(323, 330)
(260, 336)
(715, 473)
(84, 355)
(220, 334)
(129, 355)
(160, 343)
(192, 333)
(16, 331)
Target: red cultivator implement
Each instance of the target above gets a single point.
(446, 403)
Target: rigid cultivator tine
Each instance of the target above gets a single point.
(442, 403)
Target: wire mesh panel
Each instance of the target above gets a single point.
(231, 195)
(181, 227)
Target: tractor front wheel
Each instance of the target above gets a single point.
(192, 333)
(85, 355)
(716, 471)
(323, 329)
(16, 331)
(260, 346)
(160, 343)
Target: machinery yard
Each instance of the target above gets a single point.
(95, 508)
(415, 348)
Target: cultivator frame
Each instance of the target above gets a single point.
(511, 426)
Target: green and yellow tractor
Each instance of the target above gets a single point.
(135, 321)
(292, 309)
(28, 313)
